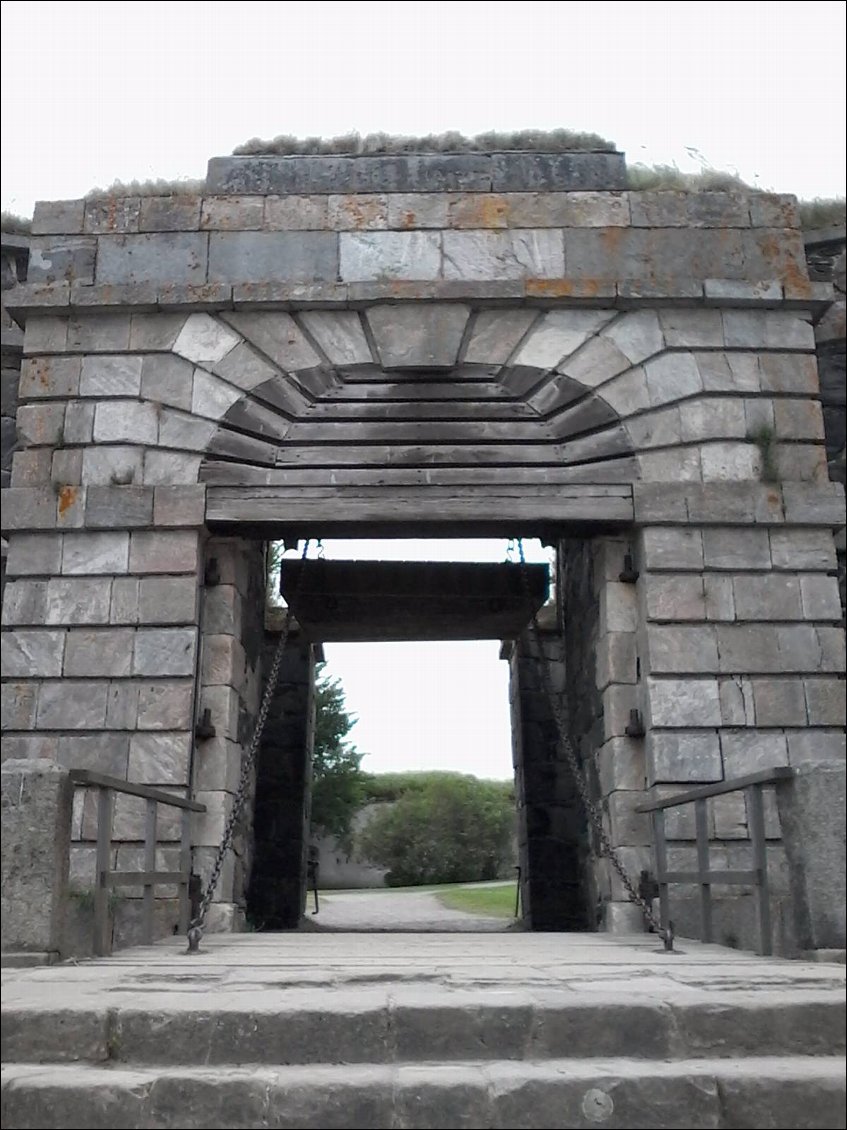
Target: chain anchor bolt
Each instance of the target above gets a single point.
(629, 574)
(212, 573)
(204, 728)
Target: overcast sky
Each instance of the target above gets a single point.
(98, 92)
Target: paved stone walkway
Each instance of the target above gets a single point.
(399, 910)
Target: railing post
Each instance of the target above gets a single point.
(701, 816)
(185, 868)
(102, 924)
(149, 867)
(756, 828)
(658, 820)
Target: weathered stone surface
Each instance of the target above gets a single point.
(686, 756)
(204, 340)
(297, 213)
(557, 335)
(825, 701)
(672, 376)
(33, 554)
(679, 703)
(82, 707)
(110, 376)
(50, 376)
(418, 338)
(278, 336)
(37, 798)
(165, 705)
(169, 213)
(168, 258)
(232, 213)
(106, 651)
(92, 553)
(811, 810)
(166, 551)
(40, 424)
(767, 329)
(54, 259)
(112, 465)
(748, 751)
(179, 505)
(160, 758)
(250, 257)
(19, 702)
(551, 172)
(25, 602)
(774, 596)
(389, 255)
(212, 397)
(32, 654)
(779, 702)
(495, 335)
(78, 600)
(164, 651)
(339, 335)
(514, 254)
(682, 649)
(112, 214)
(637, 334)
(736, 549)
(672, 548)
(803, 549)
(168, 600)
(58, 217)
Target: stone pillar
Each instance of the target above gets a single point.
(811, 812)
(37, 799)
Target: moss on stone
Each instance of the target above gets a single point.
(375, 144)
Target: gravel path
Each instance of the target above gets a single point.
(398, 910)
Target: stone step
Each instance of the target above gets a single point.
(756, 1093)
(395, 1023)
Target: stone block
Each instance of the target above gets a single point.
(278, 337)
(597, 362)
(389, 255)
(99, 333)
(749, 751)
(123, 608)
(788, 372)
(110, 376)
(58, 217)
(798, 419)
(29, 653)
(66, 469)
(182, 431)
(637, 334)
(154, 332)
(672, 549)
(339, 335)
(49, 376)
(165, 705)
(31, 468)
(814, 504)
(224, 661)
(61, 259)
(217, 765)
(211, 397)
(112, 214)
(723, 292)
(25, 602)
(157, 758)
(767, 329)
(116, 507)
(168, 467)
(803, 549)
(169, 213)
(558, 334)
(166, 379)
(179, 505)
(495, 334)
(349, 212)
(415, 337)
(779, 702)
(816, 745)
(168, 600)
(297, 213)
(88, 553)
(514, 254)
(164, 551)
(692, 329)
(773, 210)
(626, 825)
(19, 702)
(29, 508)
(273, 256)
(245, 369)
(689, 757)
(737, 708)
(232, 213)
(672, 376)
(736, 549)
(772, 596)
(616, 659)
(811, 810)
(667, 209)
(408, 211)
(37, 802)
(682, 649)
(40, 424)
(164, 651)
(621, 765)
(618, 701)
(103, 651)
(557, 172)
(655, 429)
(72, 706)
(674, 598)
(79, 422)
(716, 419)
(222, 611)
(78, 600)
(112, 465)
(122, 706)
(171, 258)
(204, 340)
(683, 703)
(825, 701)
(34, 554)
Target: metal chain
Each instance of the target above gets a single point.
(197, 924)
(594, 812)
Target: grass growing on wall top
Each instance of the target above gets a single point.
(377, 144)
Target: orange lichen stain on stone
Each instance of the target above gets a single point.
(479, 210)
(362, 212)
(795, 280)
(562, 288)
(409, 220)
(67, 498)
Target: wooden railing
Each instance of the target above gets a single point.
(107, 878)
(704, 876)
